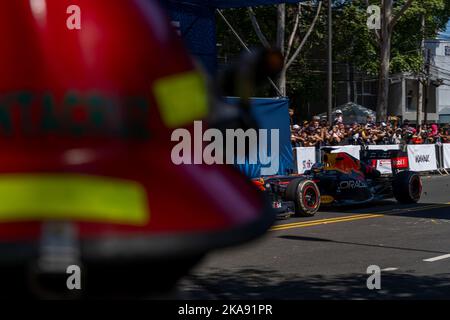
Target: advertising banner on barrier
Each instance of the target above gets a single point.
(385, 147)
(351, 150)
(305, 158)
(446, 148)
(422, 157)
(384, 166)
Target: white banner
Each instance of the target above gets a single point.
(351, 150)
(384, 147)
(384, 166)
(422, 157)
(446, 148)
(305, 158)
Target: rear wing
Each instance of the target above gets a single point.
(398, 158)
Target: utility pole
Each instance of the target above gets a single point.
(330, 61)
(427, 84)
(420, 101)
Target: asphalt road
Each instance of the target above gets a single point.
(326, 257)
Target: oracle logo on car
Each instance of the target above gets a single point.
(352, 184)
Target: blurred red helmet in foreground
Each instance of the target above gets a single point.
(86, 117)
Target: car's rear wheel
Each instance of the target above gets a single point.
(407, 187)
(306, 196)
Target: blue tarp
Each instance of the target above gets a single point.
(197, 26)
(271, 113)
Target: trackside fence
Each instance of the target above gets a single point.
(421, 157)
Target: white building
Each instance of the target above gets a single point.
(440, 69)
(404, 98)
(404, 88)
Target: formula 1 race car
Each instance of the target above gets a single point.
(342, 180)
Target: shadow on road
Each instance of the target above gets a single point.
(391, 208)
(270, 284)
(299, 238)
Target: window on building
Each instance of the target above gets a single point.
(411, 95)
(409, 98)
(444, 118)
(447, 50)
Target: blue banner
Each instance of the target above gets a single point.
(197, 27)
(271, 113)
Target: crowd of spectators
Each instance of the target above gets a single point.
(318, 132)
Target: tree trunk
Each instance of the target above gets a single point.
(281, 26)
(262, 38)
(383, 90)
(282, 82)
(281, 31)
(385, 61)
(420, 103)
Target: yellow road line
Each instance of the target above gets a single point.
(325, 221)
(322, 220)
(352, 218)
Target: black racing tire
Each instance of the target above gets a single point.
(306, 196)
(407, 187)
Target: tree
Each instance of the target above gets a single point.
(389, 19)
(354, 44)
(281, 36)
(404, 17)
(396, 47)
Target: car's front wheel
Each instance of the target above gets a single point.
(306, 196)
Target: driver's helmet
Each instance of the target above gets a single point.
(87, 119)
(317, 167)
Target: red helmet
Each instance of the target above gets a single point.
(87, 109)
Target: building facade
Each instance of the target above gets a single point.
(404, 98)
(440, 69)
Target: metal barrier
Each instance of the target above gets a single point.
(421, 158)
(444, 152)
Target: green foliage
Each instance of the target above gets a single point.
(353, 42)
(406, 55)
(308, 67)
